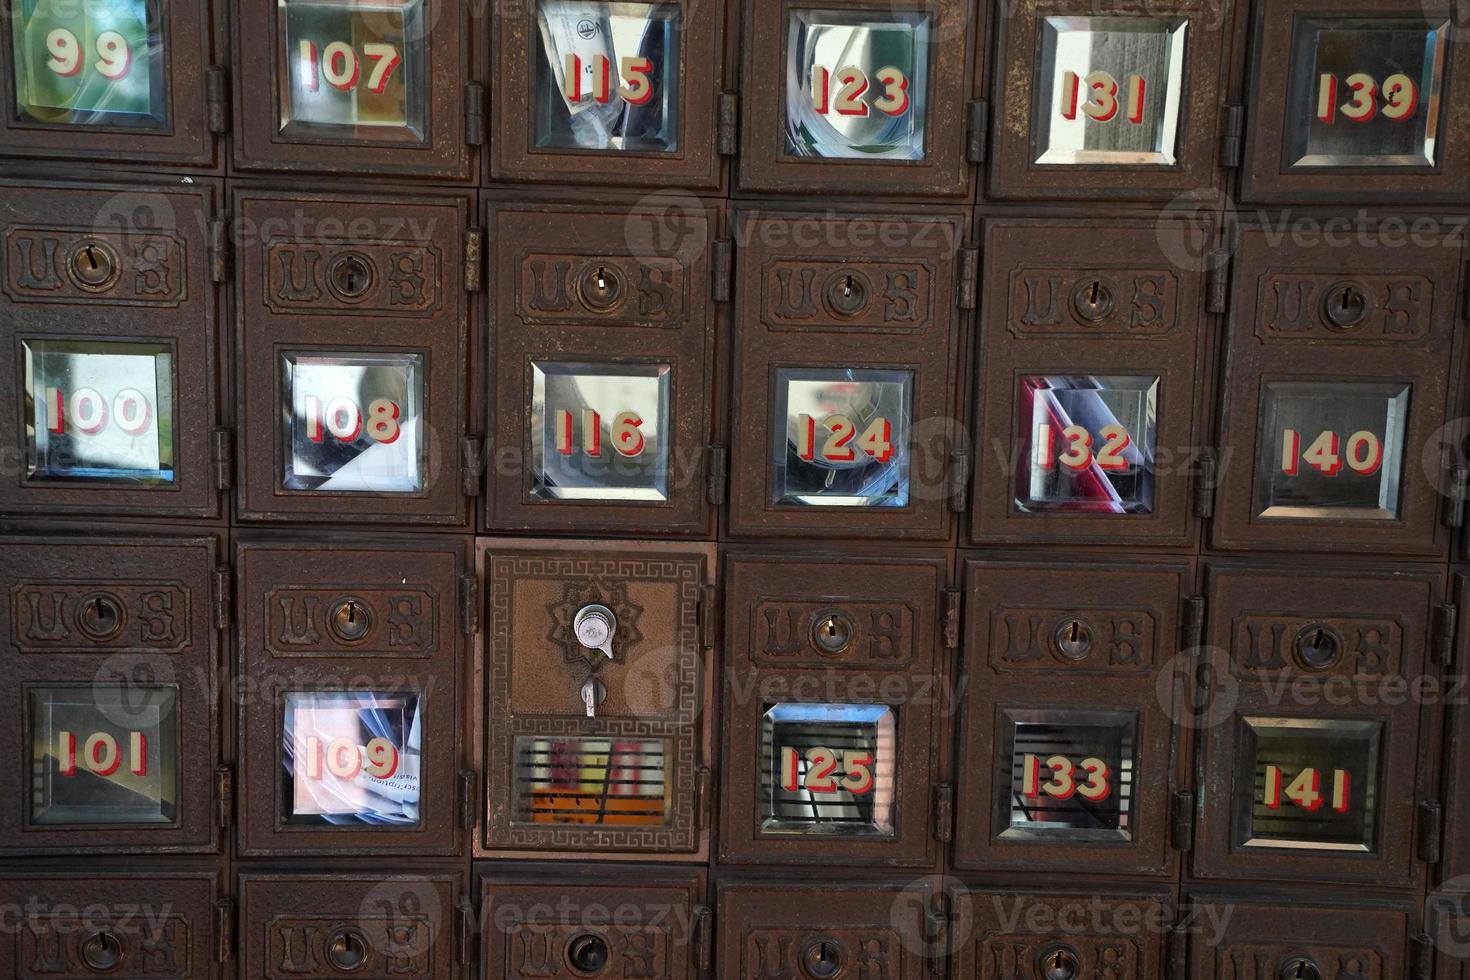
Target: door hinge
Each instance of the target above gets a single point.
(950, 624)
(1430, 821)
(1193, 628)
(1421, 957)
(474, 114)
(729, 123)
(224, 930)
(1454, 498)
(1178, 952)
(217, 99)
(721, 264)
(224, 587)
(1205, 477)
(474, 258)
(222, 457)
(704, 797)
(969, 274)
(704, 938)
(716, 459)
(471, 464)
(1181, 823)
(469, 604)
(709, 617)
(1232, 127)
(224, 797)
(938, 916)
(959, 480)
(1446, 625)
(1217, 281)
(219, 250)
(943, 812)
(466, 790)
(464, 930)
(975, 131)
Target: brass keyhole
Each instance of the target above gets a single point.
(1345, 305)
(350, 275)
(1074, 638)
(1093, 299)
(602, 286)
(1317, 647)
(347, 949)
(847, 293)
(587, 953)
(1058, 963)
(822, 958)
(832, 632)
(100, 616)
(350, 619)
(1299, 968)
(101, 950)
(93, 265)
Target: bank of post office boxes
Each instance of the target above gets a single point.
(1343, 361)
(611, 93)
(350, 657)
(110, 704)
(537, 921)
(1317, 740)
(115, 80)
(1354, 100)
(1091, 395)
(381, 923)
(351, 337)
(836, 709)
(148, 920)
(1120, 100)
(842, 97)
(1070, 759)
(349, 88)
(593, 699)
(604, 344)
(109, 325)
(846, 372)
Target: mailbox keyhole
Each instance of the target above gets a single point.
(1093, 299)
(1059, 963)
(1317, 647)
(350, 275)
(348, 950)
(1345, 305)
(833, 632)
(602, 286)
(821, 959)
(101, 616)
(847, 293)
(102, 950)
(588, 953)
(93, 265)
(350, 619)
(1299, 968)
(1074, 638)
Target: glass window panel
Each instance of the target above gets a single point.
(1087, 443)
(104, 755)
(622, 92)
(1066, 775)
(353, 69)
(591, 780)
(1307, 783)
(99, 411)
(857, 84)
(94, 63)
(351, 758)
(1331, 450)
(841, 437)
(1364, 92)
(1109, 90)
(828, 769)
(353, 422)
(600, 431)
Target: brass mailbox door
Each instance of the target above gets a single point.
(1241, 935)
(1363, 110)
(835, 703)
(1093, 350)
(1070, 757)
(593, 699)
(634, 924)
(116, 80)
(846, 373)
(1319, 763)
(604, 341)
(110, 703)
(351, 319)
(1343, 361)
(1108, 101)
(353, 88)
(349, 742)
(615, 92)
(109, 326)
(851, 98)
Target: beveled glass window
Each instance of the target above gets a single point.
(1066, 775)
(591, 780)
(350, 758)
(600, 431)
(828, 769)
(841, 437)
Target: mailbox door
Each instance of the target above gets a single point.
(599, 749)
(833, 698)
(383, 923)
(846, 372)
(1069, 756)
(117, 80)
(608, 93)
(351, 324)
(1317, 758)
(108, 319)
(1343, 360)
(603, 345)
(1456, 863)
(111, 646)
(1091, 385)
(349, 743)
(1108, 101)
(1364, 111)
(350, 88)
(76, 925)
(539, 922)
(839, 95)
